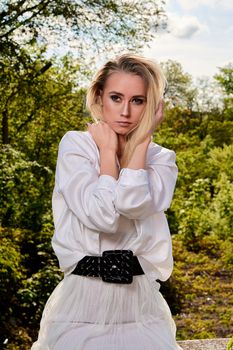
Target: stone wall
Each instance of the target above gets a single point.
(205, 344)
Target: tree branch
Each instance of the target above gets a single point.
(25, 122)
(7, 13)
(34, 14)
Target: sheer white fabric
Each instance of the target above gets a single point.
(94, 213)
(88, 314)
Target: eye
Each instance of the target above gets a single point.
(115, 98)
(137, 100)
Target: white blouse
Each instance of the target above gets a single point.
(93, 212)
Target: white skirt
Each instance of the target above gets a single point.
(85, 313)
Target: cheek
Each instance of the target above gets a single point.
(109, 111)
(138, 114)
(106, 110)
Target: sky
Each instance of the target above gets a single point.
(199, 36)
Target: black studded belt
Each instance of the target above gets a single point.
(114, 266)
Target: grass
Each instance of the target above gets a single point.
(202, 284)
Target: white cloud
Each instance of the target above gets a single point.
(190, 5)
(225, 4)
(229, 30)
(200, 40)
(184, 27)
(221, 4)
(196, 57)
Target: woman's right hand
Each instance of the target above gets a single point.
(104, 137)
(107, 142)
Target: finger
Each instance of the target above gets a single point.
(160, 107)
(90, 127)
(99, 122)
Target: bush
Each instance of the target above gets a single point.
(11, 275)
(25, 190)
(28, 275)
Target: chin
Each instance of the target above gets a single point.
(121, 132)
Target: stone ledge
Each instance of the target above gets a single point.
(204, 344)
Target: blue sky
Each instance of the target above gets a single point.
(200, 36)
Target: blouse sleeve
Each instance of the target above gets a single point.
(88, 195)
(141, 193)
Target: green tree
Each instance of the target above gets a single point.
(225, 78)
(28, 274)
(180, 91)
(209, 97)
(38, 105)
(25, 189)
(220, 216)
(83, 24)
(86, 26)
(11, 274)
(42, 99)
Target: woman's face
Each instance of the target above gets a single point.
(123, 101)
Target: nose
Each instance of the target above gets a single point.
(125, 109)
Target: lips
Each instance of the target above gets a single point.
(124, 124)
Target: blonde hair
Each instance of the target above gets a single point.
(155, 82)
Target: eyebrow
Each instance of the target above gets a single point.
(120, 94)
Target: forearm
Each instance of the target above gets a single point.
(107, 143)
(138, 159)
(79, 187)
(108, 164)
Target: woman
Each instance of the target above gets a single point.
(111, 235)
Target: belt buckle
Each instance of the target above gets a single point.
(117, 266)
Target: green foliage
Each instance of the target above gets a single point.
(209, 96)
(230, 344)
(28, 274)
(203, 201)
(220, 213)
(43, 98)
(221, 161)
(225, 78)
(99, 24)
(180, 90)
(205, 210)
(51, 105)
(23, 190)
(11, 274)
(35, 291)
(192, 214)
(203, 282)
(200, 216)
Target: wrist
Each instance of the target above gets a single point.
(138, 159)
(107, 151)
(144, 144)
(108, 162)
